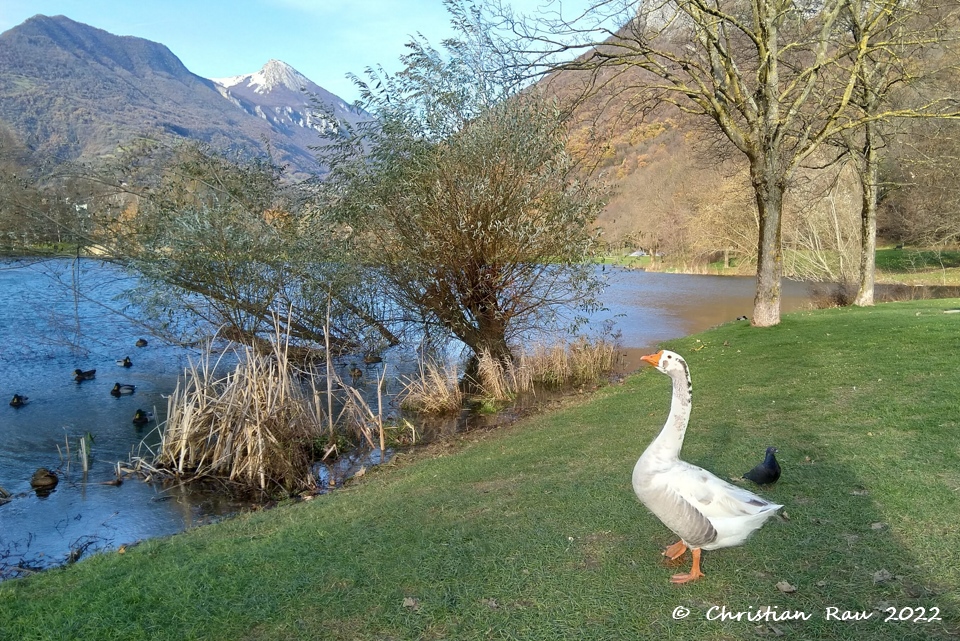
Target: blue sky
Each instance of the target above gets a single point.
(322, 39)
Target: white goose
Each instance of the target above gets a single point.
(704, 511)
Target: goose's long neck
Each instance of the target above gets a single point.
(670, 439)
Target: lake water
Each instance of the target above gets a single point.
(46, 333)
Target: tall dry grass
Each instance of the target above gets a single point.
(501, 380)
(255, 425)
(553, 366)
(366, 422)
(436, 390)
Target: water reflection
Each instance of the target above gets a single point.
(47, 332)
(650, 307)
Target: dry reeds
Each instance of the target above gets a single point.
(556, 365)
(368, 423)
(254, 426)
(502, 379)
(435, 391)
(577, 362)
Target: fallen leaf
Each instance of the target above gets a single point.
(880, 576)
(860, 492)
(877, 526)
(785, 587)
(412, 603)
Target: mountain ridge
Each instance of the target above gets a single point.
(73, 92)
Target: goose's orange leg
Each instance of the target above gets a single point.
(694, 572)
(675, 551)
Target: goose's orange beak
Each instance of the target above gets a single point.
(653, 359)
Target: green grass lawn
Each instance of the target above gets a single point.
(918, 267)
(893, 266)
(533, 531)
(905, 260)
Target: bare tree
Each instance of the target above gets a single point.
(757, 70)
(892, 51)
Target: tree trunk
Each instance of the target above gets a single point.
(769, 190)
(868, 221)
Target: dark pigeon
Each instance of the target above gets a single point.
(766, 472)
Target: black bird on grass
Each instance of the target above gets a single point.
(766, 472)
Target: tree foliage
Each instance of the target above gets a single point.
(224, 244)
(463, 201)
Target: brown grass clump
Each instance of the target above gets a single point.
(254, 426)
(581, 361)
(501, 380)
(435, 391)
(826, 295)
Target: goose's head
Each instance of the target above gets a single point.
(668, 362)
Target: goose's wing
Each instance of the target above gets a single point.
(714, 497)
(677, 512)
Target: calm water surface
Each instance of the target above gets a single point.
(46, 332)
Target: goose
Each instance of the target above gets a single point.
(706, 512)
(125, 362)
(767, 471)
(18, 400)
(79, 375)
(123, 388)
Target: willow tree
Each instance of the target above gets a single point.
(226, 244)
(462, 201)
(756, 69)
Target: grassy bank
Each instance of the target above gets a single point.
(533, 532)
(894, 266)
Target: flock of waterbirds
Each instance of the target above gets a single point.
(44, 479)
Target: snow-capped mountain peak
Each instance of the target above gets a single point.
(287, 99)
(274, 74)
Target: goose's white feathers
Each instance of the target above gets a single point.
(704, 511)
